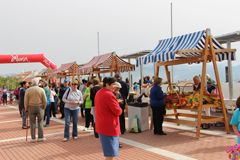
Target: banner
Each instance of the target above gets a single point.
(28, 58)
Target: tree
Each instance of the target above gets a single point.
(9, 81)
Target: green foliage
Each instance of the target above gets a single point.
(9, 81)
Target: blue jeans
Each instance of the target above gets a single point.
(56, 102)
(47, 112)
(68, 114)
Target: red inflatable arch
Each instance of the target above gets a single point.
(28, 58)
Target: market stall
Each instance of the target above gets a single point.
(43, 74)
(66, 70)
(187, 49)
(105, 63)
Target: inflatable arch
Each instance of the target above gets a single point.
(28, 58)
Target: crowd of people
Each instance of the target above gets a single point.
(102, 104)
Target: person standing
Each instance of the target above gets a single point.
(35, 102)
(4, 91)
(93, 92)
(47, 109)
(29, 84)
(157, 104)
(55, 89)
(17, 93)
(107, 118)
(82, 88)
(124, 92)
(24, 86)
(51, 97)
(61, 93)
(88, 106)
(72, 99)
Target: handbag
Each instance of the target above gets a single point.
(233, 152)
(164, 112)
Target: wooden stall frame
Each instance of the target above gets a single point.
(206, 54)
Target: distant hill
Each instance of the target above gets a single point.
(11, 74)
(182, 72)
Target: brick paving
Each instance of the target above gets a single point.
(13, 144)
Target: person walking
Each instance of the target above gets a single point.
(124, 92)
(47, 109)
(93, 92)
(82, 88)
(88, 106)
(157, 104)
(61, 93)
(16, 94)
(107, 118)
(72, 99)
(4, 94)
(35, 102)
(24, 86)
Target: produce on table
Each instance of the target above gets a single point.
(191, 101)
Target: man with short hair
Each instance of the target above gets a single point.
(124, 93)
(35, 102)
(29, 84)
(61, 93)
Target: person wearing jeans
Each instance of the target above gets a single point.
(4, 91)
(72, 99)
(47, 110)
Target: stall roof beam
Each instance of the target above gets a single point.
(135, 55)
(232, 37)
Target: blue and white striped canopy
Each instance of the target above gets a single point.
(167, 48)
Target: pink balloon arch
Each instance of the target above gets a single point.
(28, 58)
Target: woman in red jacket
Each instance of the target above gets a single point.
(107, 113)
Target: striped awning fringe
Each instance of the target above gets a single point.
(166, 49)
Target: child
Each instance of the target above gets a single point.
(135, 86)
(235, 120)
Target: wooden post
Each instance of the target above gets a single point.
(219, 87)
(202, 85)
(118, 70)
(79, 80)
(112, 65)
(99, 77)
(73, 73)
(168, 78)
(157, 71)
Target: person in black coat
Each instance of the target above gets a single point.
(124, 92)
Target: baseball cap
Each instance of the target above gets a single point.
(118, 85)
(65, 80)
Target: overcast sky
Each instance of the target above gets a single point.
(66, 30)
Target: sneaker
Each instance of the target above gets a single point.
(41, 139)
(85, 128)
(90, 128)
(120, 145)
(65, 139)
(45, 125)
(92, 134)
(74, 137)
(32, 141)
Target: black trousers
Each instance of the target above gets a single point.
(158, 115)
(5, 99)
(82, 108)
(52, 110)
(122, 120)
(62, 109)
(88, 117)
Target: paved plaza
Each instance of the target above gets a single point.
(180, 143)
